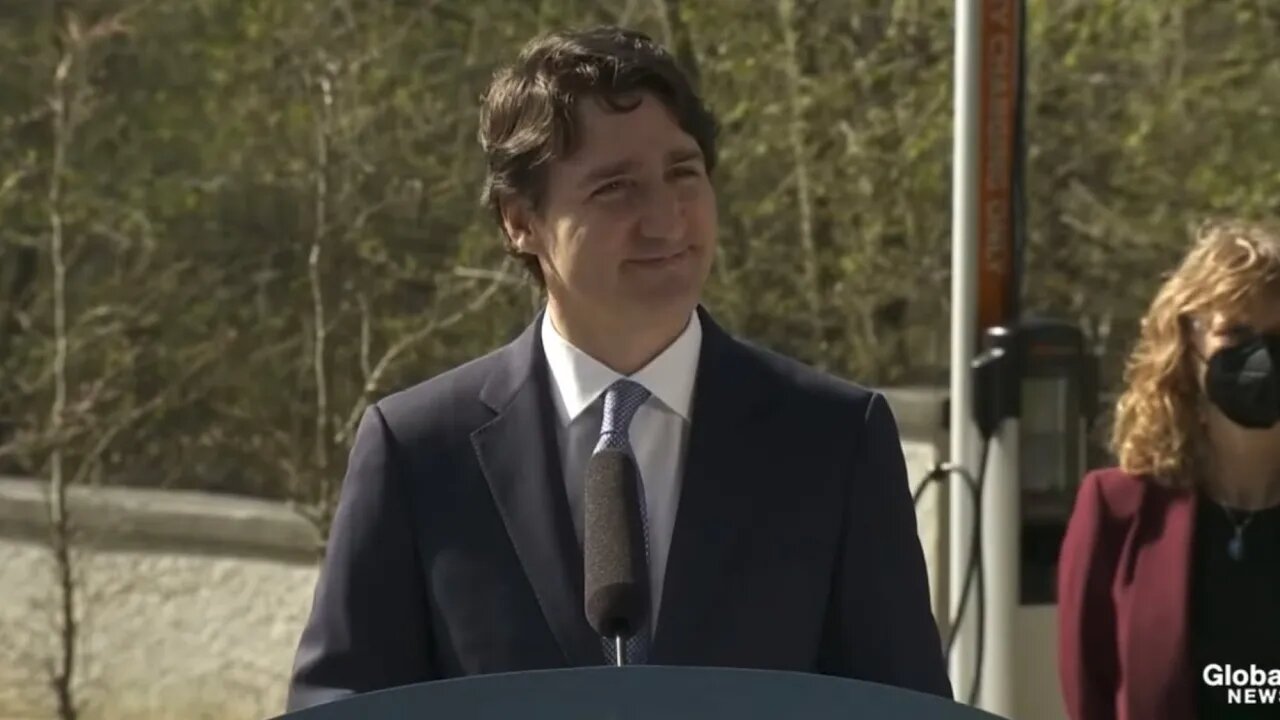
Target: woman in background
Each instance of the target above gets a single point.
(1171, 562)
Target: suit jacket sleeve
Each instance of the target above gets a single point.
(1087, 665)
(368, 627)
(881, 626)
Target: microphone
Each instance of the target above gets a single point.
(616, 578)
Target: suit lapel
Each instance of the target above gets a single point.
(519, 456)
(725, 463)
(1159, 682)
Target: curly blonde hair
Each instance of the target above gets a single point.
(1157, 431)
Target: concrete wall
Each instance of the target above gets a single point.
(193, 602)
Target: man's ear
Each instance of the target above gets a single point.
(519, 219)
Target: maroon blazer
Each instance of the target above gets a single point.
(1123, 599)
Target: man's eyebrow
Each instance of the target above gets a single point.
(675, 157)
(621, 167)
(604, 172)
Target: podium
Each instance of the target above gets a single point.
(643, 693)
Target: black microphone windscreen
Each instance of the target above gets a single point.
(616, 579)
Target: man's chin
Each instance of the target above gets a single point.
(667, 294)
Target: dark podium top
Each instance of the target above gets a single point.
(633, 693)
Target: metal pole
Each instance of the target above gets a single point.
(1001, 547)
(964, 320)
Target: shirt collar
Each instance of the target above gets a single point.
(579, 378)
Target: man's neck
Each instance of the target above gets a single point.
(625, 347)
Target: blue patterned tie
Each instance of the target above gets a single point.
(621, 400)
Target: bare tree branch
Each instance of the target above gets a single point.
(366, 334)
(483, 274)
(796, 131)
(408, 341)
(67, 105)
(61, 100)
(11, 180)
(91, 459)
(321, 212)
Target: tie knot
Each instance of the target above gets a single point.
(621, 401)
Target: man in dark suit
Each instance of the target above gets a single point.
(781, 529)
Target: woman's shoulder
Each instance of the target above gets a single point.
(1114, 491)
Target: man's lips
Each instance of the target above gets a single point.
(657, 259)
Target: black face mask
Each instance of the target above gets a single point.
(1244, 382)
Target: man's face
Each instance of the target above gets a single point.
(628, 223)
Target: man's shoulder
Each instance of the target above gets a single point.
(805, 383)
(446, 402)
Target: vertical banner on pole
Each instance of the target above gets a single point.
(1000, 236)
(1000, 220)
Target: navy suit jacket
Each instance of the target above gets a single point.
(452, 552)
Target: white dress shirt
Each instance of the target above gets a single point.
(659, 430)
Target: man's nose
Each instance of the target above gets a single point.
(663, 217)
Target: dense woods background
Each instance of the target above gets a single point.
(226, 225)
